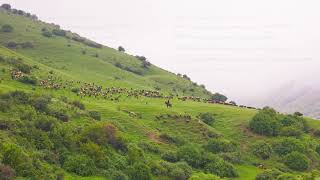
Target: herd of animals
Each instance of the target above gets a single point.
(114, 93)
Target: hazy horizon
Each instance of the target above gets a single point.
(243, 49)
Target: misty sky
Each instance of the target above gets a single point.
(244, 49)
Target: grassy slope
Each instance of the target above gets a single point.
(69, 63)
(55, 53)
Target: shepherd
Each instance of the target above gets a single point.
(168, 104)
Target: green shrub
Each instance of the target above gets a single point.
(26, 45)
(265, 123)
(139, 171)
(12, 45)
(220, 145)
(269, 174)
(41, 103)
(118, 175)
(262, 150)
(23, 68)
(170, 156)
(219, 97)
(6, 28)
(149, 147)
(5, 105)
(95, 115)
(291, 131)
(80, 164)
(207, 118)
(317, 133)
(79, 105)
(296, 161)
(221, 168)
(59, 32)
(318, 149)
(191, 154)
(135, 154)
(28, 80)
(17, 159)
(104, 134)
(203, 176)
(45, 123)
(47, 34)
(180, 171)
(288, 145)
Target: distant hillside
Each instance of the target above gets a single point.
(294, 97)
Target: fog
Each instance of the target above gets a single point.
(244, 49)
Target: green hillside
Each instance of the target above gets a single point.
(71, 108)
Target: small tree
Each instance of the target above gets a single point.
(297, 161)
(121, 49)
(288, 145)
(6, 6)
(207, 118)
(219, 97)
(262, 150)
(139, 171)
(6, 28)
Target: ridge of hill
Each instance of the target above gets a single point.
(71, 108)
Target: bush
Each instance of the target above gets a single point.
(317, 133)
(80, 164)
(6, 172)
(75, 90)
(121, 49)
(203, 176)
(12, 45)
(118, 175)
(78, 104)
(265, 123)
(220, 145)
(61, 115)
(139, 171)
(95, 115)
(207, 118)
(291, 131)
(135, 154)
(6, 6)
(288, 145)
(45, 123)
(170, 156)
(41, 103)
(47, 34)
(262, 150)
(26, 45)
(221, 168)
(5, 105)
(180, 171)
(6, 28)
(149, 147)
(23, 68)
(28, 80)
(17, 159)
(219, 97)
(318, 149)
(104, 134)
(191, 154)
(269, 174)
(59, 32)
(296, 161)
